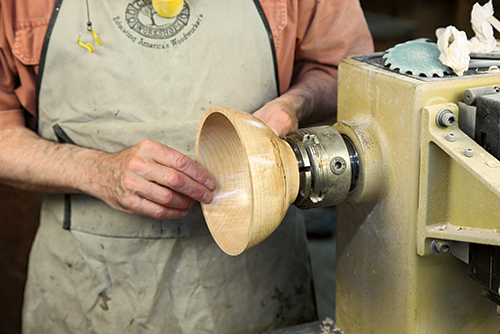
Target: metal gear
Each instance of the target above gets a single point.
(417, 57)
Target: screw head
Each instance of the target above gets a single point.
(469, 152)
(450, 137)
(446, 118)
(338, 165)
(441, 247)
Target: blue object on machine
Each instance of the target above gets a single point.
(417, 57)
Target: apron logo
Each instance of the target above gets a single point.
(142, 18)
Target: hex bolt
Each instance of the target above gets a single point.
(446, 118)
(451, 137)
(440, 247)
(338, 165)
(469, 152)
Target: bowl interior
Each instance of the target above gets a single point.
(222, 153)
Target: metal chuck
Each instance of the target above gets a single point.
(328, 166)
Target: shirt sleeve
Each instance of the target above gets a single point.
(333, 30)
(315, 34)
(22, 30)
(11, 113)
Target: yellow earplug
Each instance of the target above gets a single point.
(168, 8)
(88, 46)
(98, 41)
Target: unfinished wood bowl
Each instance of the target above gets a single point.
(256, 173)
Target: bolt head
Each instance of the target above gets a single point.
(451, 137)
(440, 247)
(469, 152)
(338, 165)
(446, 118)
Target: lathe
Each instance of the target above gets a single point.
(412, 165)
(427, 190)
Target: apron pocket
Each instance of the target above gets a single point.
(87, 214)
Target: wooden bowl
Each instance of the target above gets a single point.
(256, 173)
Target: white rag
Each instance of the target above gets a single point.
(454, 48)
(484, 41)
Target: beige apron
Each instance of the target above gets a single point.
(111, 272)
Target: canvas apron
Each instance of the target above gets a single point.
(111, 272)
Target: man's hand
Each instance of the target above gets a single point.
(153, 180)
(149, 179)
(280, 115)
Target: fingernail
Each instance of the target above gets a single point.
(209, 184)
(207, 198)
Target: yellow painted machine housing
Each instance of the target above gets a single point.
(414, 186)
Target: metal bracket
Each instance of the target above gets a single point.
(459, 193)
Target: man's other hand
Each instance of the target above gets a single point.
(153, 180)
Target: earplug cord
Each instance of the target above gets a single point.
(89, 46)
(89, 23)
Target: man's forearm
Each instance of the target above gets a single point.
(33, 163)
(313, 98)
(149, 179)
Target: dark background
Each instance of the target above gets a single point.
(394, 21)
(391, 22)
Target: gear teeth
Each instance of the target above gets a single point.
(418, 57)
